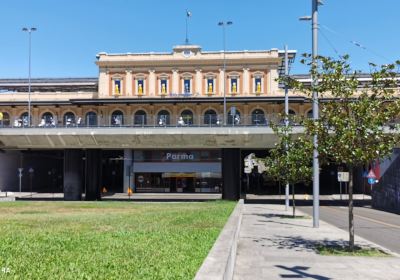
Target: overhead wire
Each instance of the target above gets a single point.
(354, 42)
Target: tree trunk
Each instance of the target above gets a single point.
(294, 205)
(351, 216)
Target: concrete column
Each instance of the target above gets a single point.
(152, 83)
(246, 81)
(129, 83)
(72, 175)
(93, 174)
(221, 82)
(231, 173)
(127, 170)
(175, 81)
(199, 82)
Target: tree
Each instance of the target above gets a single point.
(355, 123)
(289, 162)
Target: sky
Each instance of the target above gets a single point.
(71, 32)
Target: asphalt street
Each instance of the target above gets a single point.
(380, 227)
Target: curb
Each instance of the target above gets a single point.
(7, 198)
(220, 261)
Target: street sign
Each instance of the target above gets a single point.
(372, 181)
(371, 174)
(247, 170)
(343, 176)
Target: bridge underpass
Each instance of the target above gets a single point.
(80, 150)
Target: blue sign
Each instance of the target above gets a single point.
(371, 181)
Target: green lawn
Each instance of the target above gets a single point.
(107, 240)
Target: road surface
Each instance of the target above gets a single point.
(380, 227)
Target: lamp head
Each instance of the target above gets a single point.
(220, 23)
(305, 18)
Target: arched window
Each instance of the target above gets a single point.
(47, 120)
(69, 119)
(210, 117)
(187, 117)
(140, 118)
(91, 119)
(23, 119)
(234, 117)
(5, 119)
(117, 118)
(257, 117)
(163, 118)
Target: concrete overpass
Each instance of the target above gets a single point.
(245, 137)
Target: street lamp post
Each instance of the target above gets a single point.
(223, 24)
(29, 30)
(314, 83)
(286, 119)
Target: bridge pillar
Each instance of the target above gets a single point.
(72, 175)
(93, 174)
(231, 171)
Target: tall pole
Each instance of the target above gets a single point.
(223, 24)
(286, 119)
(187, 16)
(224, 82)
(29, 30)
(314, 80)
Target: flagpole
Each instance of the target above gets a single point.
(187, 16)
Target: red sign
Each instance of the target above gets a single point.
(371, 174)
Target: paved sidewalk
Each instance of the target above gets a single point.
(274, 247)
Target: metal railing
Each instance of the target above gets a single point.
(142, 121)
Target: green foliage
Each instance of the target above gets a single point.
(103, 240)
(355, 125)
(290, 160)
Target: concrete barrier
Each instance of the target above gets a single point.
(220, 262)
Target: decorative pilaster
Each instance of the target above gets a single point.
(152, 83)
(199, 84)
(175, 81)
(129, 84)
(246, 81)
(104, 84)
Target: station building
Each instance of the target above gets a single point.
(150, 122)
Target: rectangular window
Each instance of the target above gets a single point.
(210, 85)
(117, 87)
(140, 89)
(234, 85)
(163, 86)
(257, 84)
(186, 85)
